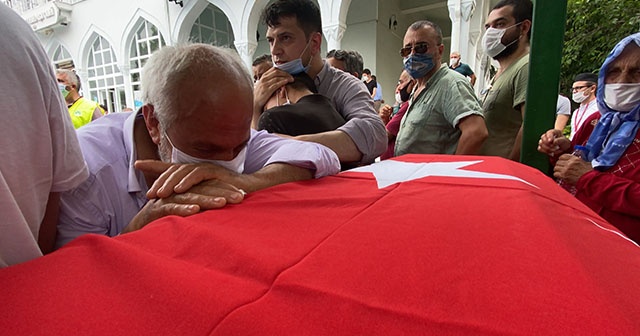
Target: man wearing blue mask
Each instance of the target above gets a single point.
(507, 41)
(444, 115)
(197, 154)
(294, 33)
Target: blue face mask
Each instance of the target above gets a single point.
(418, 65)
(294, 67)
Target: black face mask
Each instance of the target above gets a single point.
(404, 93)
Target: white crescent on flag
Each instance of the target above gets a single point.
(389, 172)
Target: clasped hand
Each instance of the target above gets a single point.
(553, 143)
(184, 190)
(270, 81)
(570, 168)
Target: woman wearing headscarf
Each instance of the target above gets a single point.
(608, 181)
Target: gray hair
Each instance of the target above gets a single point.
(352, 59)
(424, 24)
(355, 63)
(71, 76)
(172, 66)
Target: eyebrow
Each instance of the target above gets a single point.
(279, 35)
(410, 45)
(502, 18)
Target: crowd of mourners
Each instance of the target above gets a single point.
(196, 145)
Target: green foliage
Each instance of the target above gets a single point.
(593, 29)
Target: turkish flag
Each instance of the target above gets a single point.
(422, 244)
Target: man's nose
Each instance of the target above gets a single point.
(275, 48)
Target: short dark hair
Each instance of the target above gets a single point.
(305, 11)
(366, 71)
(262, 59)
(425, 23)
(522, 10)
(303, 81)
(586, 77)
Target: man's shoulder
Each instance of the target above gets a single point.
(450, 79)
(102, 141)
(522, 62)
(84, 102)
(466, 68)
(337, 80)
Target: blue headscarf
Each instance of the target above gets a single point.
(615, 130)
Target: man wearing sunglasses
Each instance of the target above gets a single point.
(444, 116)
(507, 41)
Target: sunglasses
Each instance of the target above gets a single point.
(578, 88)
(418, 48)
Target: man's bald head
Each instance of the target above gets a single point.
(173, 71)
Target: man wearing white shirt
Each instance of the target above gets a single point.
(584, 93)
(40, 153)
(137, 161)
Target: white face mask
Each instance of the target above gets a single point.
(287, 102)
(454, 61)
(398, 97)
(492, 41)
(235, 165)
(622, 97)
(579, 97)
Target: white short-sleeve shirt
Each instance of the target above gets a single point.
(40, 151)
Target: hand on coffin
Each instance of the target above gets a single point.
(207, 180)
(210, 195)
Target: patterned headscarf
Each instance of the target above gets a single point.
(615, 130)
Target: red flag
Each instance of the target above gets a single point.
(459, 245)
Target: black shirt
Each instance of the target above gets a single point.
(371, 85)
(312, 114)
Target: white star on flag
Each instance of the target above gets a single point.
(389, 172)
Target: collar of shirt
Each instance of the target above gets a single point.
(136, 179)
(322, 74)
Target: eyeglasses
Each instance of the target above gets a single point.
(418, 48)
(578, 88)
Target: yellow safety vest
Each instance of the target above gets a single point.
(81, 111)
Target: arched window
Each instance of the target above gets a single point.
(146, 40)
(62, 58)
(106, 84)
(213, 27)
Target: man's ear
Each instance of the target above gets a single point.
(526, 27)
(152, 123)
(411, 84)
(316, 43)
